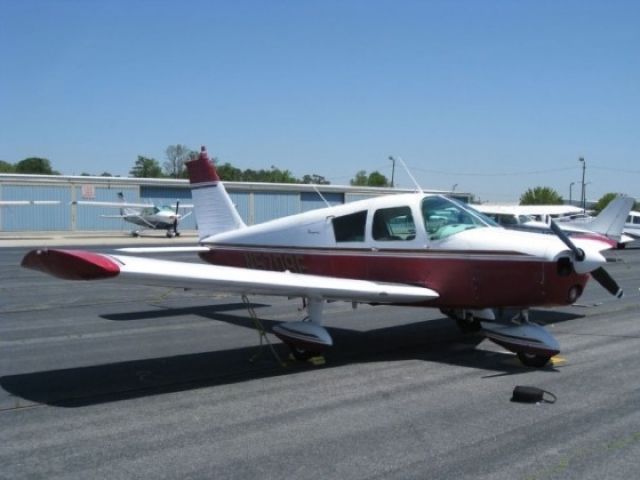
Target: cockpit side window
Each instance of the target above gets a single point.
(393, 224)
(350, 228)
(444, 217)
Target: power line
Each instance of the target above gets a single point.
(492, 174)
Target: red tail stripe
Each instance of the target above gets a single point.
(202, 169)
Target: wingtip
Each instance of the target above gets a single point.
(71, 264)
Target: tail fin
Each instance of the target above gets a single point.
(610, 221)
(214, 210)
(125, 210)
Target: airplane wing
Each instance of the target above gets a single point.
(85, 265)
(111, 204)
(21, 203)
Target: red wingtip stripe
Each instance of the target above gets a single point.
(71, 264)
(202, 169)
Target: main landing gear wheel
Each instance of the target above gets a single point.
(533, 360)
(468, 325)
(301, 354)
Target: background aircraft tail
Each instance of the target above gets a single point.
(611, 220)
(214, 210)
(125, 210)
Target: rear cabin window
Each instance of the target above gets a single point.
(350, 228)
(391, 224)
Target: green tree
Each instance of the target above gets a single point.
(360, 180)
(35, 165)
(6, 167)
(177, 155)
(275, 175)
(315, 179)
(541, 196)
(374, 179)
(146, 167)
(228, 172)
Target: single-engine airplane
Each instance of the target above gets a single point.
(147, 216)
(407, 249)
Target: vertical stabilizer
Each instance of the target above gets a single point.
(611, 220)
(124, 211)
(214, 210)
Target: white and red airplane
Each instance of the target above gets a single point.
(407, 249)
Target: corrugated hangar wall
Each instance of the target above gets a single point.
(256, 203)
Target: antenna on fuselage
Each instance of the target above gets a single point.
(406, 169)
(315, 187)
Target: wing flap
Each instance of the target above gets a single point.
(84, 265)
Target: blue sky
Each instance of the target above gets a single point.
(494, 96)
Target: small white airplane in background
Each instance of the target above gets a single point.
(632, 226)
(26, 203)
(610, 222)
(409, 249)
(145, 215)
(506, 214)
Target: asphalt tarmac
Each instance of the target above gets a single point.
(100, 380)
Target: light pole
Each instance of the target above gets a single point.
(453, 189)
(393, 169)
(570, 197)
(584, 199)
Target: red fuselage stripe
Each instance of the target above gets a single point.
(463, 279)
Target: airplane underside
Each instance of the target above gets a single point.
(532, 343)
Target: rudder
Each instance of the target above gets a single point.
(215, 212)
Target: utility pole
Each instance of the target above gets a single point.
(570, 188)
(393, 169)
(584, 198)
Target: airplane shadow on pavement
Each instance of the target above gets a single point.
(435, 340)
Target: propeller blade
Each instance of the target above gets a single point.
(175, 221)
(579, 254)
(601, 276)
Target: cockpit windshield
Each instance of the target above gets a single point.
(444, 217)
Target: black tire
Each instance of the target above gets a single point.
(301, 354)
(533, 360)
(469, 326)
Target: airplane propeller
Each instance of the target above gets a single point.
(175, 220)
(587, 263)
(601, 276)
